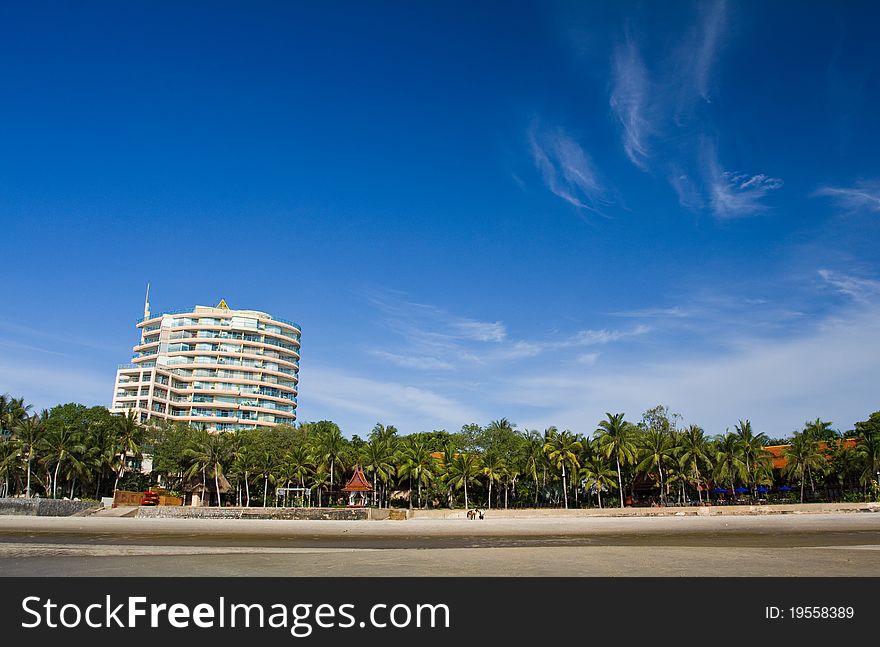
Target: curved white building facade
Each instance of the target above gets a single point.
(227, 369)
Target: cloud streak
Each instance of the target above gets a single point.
(864, 196)
(628, 101)
(860, 290)
(566, 168)
(827, 371)
(735, 194)
(431, 339)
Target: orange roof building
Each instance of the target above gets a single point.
(778, 451)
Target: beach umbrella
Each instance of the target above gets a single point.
(785, 488)
(720, 490)
(741, 490)
(761, 488)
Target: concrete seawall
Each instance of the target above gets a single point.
(45, 507)
(311, 514)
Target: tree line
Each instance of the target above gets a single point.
(75, 451)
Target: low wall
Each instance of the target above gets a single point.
(126, 498)
(188, 512)
(672, 511)
(45, 507)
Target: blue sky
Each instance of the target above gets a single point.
(539, 211)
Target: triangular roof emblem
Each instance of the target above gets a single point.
(222, 305)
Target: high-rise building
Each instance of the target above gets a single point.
(227, 369)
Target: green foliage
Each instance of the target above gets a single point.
(73, 450)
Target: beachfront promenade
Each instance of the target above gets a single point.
(805, 541)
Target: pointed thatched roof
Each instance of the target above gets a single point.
(358, 482)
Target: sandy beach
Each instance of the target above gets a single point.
(837, 544)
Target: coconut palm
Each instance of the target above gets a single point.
(379, 456)
(461, 471)
(820, 429)
(299, 463)
(329, 447)
(693, 453)
(9, 459)
(617, 439)
(868, 452)
(29, 433)
(655, 448)
(418, 464)
(128, 435)
(264, 466)
(320, 481)
(534, 457)
(561, 449)
(752, 446)
(597, 474)
(728, 459)
(803, 456)
(208, 455)
(13, 412)
(58, 444)
(494, 468)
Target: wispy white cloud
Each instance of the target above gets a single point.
(630, 90)
(421, 363)
(676, 312)
(342, 396)
(566, 168)
(705, 45)
(864, 196)
(431, 339)
(734, 195)
(826, 371)
(688, 191)
(859, 289)
(591, 337)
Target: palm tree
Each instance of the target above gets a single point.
(693, 452)
(868, 451)
(13, 411)
(60, 441)
(379, 458)
(29, 434)
(752, 446)
(494, 469)
(210, 453)
(803, 456)
(562, 448)
(299, 463)
(820, 429)
(9, 458)
(265, 467)
(729, 463)
(329, 447)
(534, 457)
(616, 438)
(598, 474)
(417, 463)
(320, 480)
(656, 448)
(128, 434)
(461, 471)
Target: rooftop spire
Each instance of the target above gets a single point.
(147, 303)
